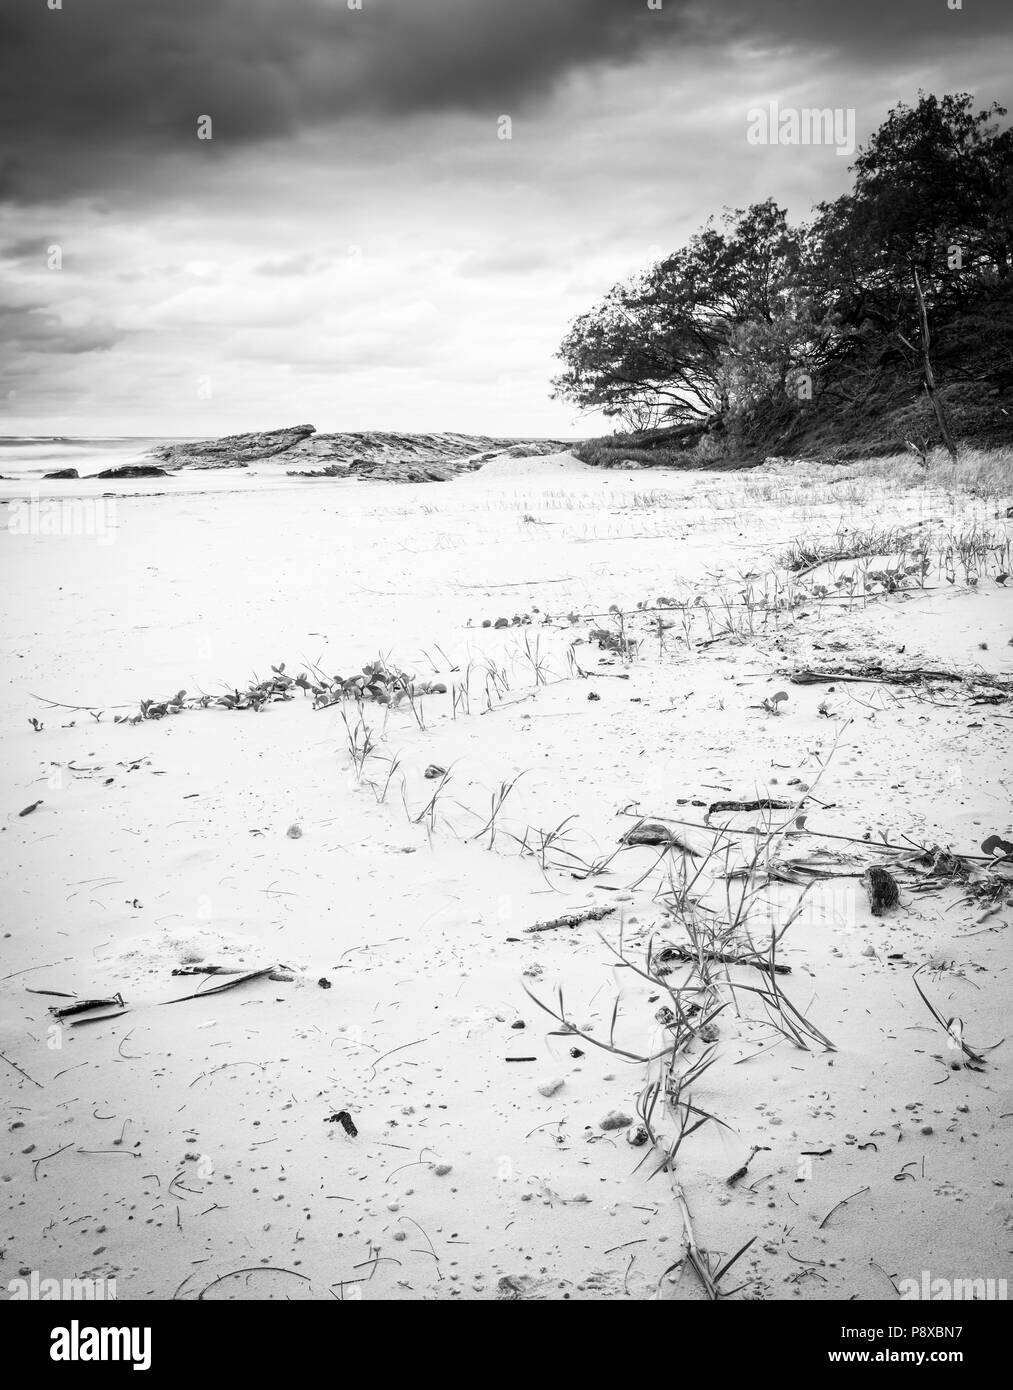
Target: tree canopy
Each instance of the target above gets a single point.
(756, 324)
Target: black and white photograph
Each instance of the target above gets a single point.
(506, 515)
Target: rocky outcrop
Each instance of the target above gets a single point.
(234, 451)
(384, 456)
(409, 470)
(61, 475)
(333, 470)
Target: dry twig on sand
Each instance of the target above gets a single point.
(840, 1204)
(20, 1071)
(573, 919)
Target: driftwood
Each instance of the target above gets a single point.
(690, 957)
(881, 846)
(573, 919)
(765, 803)
(344, 1119)
(897, 676)
(740, 1173)
(84, 1006)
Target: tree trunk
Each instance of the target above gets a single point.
(930, 379)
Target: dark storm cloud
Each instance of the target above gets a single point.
(26, 328)
(355, 210)
(90, 93)
(93, 84)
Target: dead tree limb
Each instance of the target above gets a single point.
(929, 375)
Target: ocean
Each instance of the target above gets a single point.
(26, 457)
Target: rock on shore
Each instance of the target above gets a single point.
(376, 454)
(233, 451)
(132, 470)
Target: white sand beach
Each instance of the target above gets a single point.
(169, 1145)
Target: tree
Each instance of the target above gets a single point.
(658, 341)
(765, 329)
(932, 195)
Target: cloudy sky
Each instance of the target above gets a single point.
(356, 246)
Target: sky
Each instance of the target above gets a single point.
(358, 245)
